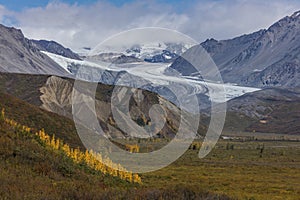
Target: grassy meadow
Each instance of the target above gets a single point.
(259, 169)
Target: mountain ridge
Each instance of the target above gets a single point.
(56, 48)
(18, 55)
(256, 59)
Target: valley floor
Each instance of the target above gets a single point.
(260, 169)
(256, 169)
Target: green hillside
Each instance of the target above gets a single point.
(32, 116)
(31, 170)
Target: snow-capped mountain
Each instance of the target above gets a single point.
(158, 52)
(163, 57)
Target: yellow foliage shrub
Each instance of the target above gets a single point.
(90, 158)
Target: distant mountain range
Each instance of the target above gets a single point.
(261, 59)
(161, 52)
(158, 52)
(267, 60)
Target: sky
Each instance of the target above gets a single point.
(85, 23)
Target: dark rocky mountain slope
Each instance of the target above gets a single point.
(56, 48)
(262, 59)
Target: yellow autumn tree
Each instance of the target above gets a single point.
(132, 148)
(2, 115)
(53, 143)
(137, 179)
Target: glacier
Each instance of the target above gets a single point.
(153, 77)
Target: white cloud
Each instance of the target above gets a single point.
(226, 19)
(79, 26)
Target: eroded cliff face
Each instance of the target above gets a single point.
(146, 113)
(56, 96)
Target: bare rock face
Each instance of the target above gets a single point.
(56, 96)
(18, 55)
(261, 59)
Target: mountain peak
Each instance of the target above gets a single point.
(288, 21)
(18, 55)
(211, 40)
(16, 33)
(296, 14)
